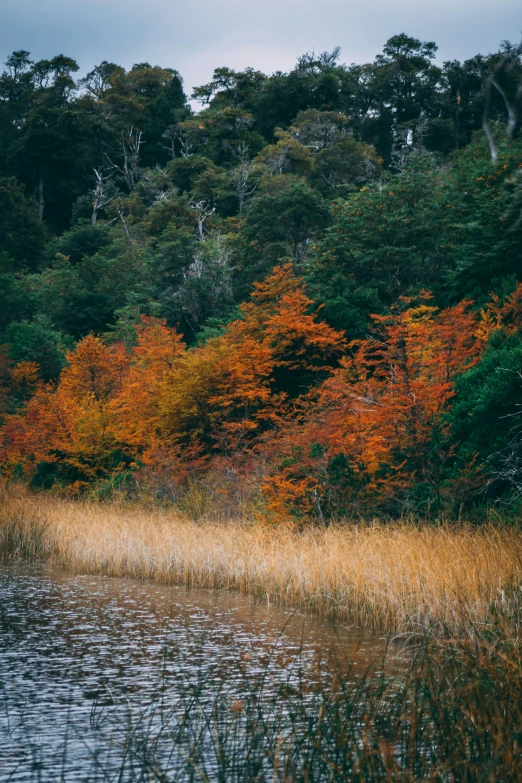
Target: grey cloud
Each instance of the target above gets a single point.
(195, 37)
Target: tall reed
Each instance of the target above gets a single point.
(454, 716)
(398, 577)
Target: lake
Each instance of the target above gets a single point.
(84, 660)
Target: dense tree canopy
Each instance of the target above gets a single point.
(314, 280)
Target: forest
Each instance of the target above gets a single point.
(301, 302)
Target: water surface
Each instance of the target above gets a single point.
(77, 650)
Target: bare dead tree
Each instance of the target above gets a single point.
(171, 138)
(211, 263)
(121, 216)
(102, 196)
(130, 172)
(131, 145)
(243, 174)
(157, 189)
(204, 211)
(164, 196)
(180, 136)
(513, 106)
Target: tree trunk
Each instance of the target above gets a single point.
(41, 198)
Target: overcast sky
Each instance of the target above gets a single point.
(196, 36)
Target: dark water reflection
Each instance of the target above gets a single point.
(74, 648)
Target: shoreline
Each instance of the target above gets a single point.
(399, 578)
(454, 592)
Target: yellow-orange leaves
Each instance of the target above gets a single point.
(231, 389)
(114, 407)
(374, 418)
(99, 417)
(135, 409)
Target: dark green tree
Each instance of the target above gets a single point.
(38, 341)
(486, 417)
(22, 235)
(280, 223)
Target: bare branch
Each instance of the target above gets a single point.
(243, 174)
(101, 197)
(130, 172)
(204, 212)
(512, 107)
(183, 136)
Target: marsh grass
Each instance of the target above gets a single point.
(398, 577)
(455, 715)
(452, 713)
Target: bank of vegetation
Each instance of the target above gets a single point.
(301, 304)
(397, 577)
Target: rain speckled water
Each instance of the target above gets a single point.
(81, 655)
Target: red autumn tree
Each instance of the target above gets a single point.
(376, 424)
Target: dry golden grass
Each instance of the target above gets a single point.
(388, 577)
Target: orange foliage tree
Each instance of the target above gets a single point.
(376, 426)
(71, 424)
(506, 314)
(134, 409)
(226, 393)
(100, 417)
(158, 403)
(343, 428)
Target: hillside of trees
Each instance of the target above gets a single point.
(303, 301)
